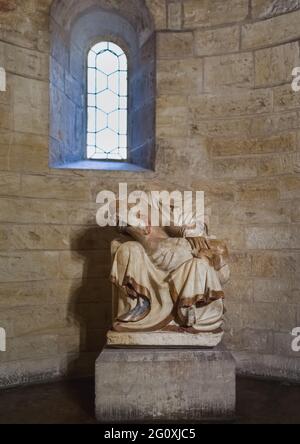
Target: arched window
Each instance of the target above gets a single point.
(107, 90)
(102, 85)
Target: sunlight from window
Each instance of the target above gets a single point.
(107, 102)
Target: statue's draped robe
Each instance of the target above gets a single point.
(185, 292)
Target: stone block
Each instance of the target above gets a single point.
(5, 117)
(9, 184)
(290, 187)
(36, 320)
(30, 347)
(267, 124)
(164, 339)
(56, 187)
(25, 62)
(6, 97)
(28, 266)
(273, 31)
(285, 317)
(239, 147)
(268, 366)
(273, 237)
(234, 316)
(95, 315)
(62, 122)
(235, 104)
(175, 15)
(247, 213)
(215, 191)
(76, 66)
(202, 13)
(298, 308)
(21, 372)
(52, 291)
(236, 127)
(28, 158)
(72, 87)
(283, 344)
(273, 290)
(31, 103)
(184, 77)
(69, 343)
(249, 339)
(217, 41)
(158, 10)
(174, 45)
(192, 151)
(262, 9)
(40, 237)
(240, 264)
(236, 168)
(172, 116)
(32, 211)
(239, 290)
(275, 65)
(276, 165)
(260, 316)
(158, 385)
(285, 98)
(232, 71)
(233, 234)
(258, 190)
(271, 265)
(57, 74)
(73, 265)
(295, 210)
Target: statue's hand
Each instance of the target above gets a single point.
(200, 246)
(214, 251)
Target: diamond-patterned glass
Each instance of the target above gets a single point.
(107, 102)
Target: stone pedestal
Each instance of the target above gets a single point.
(163, 339)
(164, 385)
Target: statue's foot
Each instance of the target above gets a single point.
(139, 312)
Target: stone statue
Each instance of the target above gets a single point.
(169, 286)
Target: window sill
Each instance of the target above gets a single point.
(100, 166)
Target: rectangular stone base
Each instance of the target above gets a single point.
(164, 339)
(171, 385)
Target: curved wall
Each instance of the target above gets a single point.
(225, 114)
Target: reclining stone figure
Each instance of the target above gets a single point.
(169, 279)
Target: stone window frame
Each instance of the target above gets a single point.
(68, 89)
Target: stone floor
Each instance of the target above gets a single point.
(73, 403)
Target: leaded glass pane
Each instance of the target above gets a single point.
(107, 102)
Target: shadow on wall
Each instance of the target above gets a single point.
(90, 306)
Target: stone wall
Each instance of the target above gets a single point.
(227, 123)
